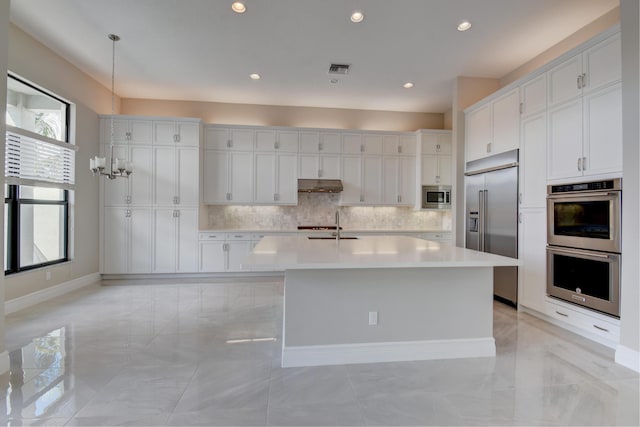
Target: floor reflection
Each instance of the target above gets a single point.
(38, 379)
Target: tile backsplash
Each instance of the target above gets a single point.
(320, 209)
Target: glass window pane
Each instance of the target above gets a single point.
(33, 110)
(42, 230)
(41, 193)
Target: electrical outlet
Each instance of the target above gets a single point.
(373, 318)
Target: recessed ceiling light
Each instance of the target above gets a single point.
(407, 85)
(254, 76)
(238, 7)
(357, 16)
(464, 26)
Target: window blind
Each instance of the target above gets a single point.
(31, 159)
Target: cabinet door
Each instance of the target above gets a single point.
(309, 142)
(443, 144)
(237, 251)
(602, 64)
(241, 139)
(115, 191)
(187, 240)
(140, 131)
(188, 134)
(266, 140)
(215, 184)
(506, 123)
(372, 144)
(115, 240)
(564, 145)
(287, 141)
(444, 171)
(216, 138)
(390, 144)
(532, 272)
(330, 166)
(164, 173)
(533, 155)
(121, 130)
(141, 238)
(213, 257)
(372, 179)
(563, 81)
(407, 190)
(603, 131)
(287, 183)
(265, 177)
(478, 132)
(408, 145)
(241, 177)
(141, 180)
(428, 143)
(533, 95)
(164, 133)
(352, 143)
(330, 143)
(429, 170)
(309, 166)
(187, 176)
(391, 180)
(351, 180)
(164, 245)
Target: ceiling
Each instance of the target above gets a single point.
(200, 50)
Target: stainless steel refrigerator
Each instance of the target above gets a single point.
(491, 188)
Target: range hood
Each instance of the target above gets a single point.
(319, 186)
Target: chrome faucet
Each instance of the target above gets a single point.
(337, 225)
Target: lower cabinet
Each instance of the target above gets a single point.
(599, 327)
(176, 240)
(223, 252)
(532, 274)
(127, 238)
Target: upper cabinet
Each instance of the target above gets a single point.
(436, 158)
(277, 140)
(176, 133)
(319, 154)
(228, 138)
(533, 96)
(126, 130)
(585, 72)
(494, 127)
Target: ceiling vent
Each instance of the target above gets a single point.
(339, 69)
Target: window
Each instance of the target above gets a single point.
(40, 177)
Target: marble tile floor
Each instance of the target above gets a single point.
(207, 353)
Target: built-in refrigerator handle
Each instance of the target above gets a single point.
(481, 220)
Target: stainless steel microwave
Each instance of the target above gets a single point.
(436, 197)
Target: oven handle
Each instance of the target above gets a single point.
(578, 252)
(574, 195)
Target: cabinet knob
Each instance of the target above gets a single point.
(488, 147)
(579, 164)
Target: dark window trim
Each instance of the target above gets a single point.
(13, 248)
(67, 115)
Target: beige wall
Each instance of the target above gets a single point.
(599, 25)
(630, 307)
(31, 60)
(270, 115)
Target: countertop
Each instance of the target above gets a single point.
(348, 230)
(276, 253)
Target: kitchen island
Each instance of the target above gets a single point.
(380, 299)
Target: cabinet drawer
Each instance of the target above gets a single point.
(592, 324)
(211, 236)
(238, 236)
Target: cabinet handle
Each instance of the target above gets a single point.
(520, 218)
(128, 199)
(229, 143)
(582, 77)
(225, 247)
(600, 328)
(177, 200)
(228, 196)
(580, 164)
(127, 213)
(562, 314)
(276, 145)
(437, 147)
(399, 149)
(522, 108)
(362, 148)
(578, 82)
(362, 198)
(584, 163)
(399, 198)
(520, 198)
(488, 147)
(319, 146)
(320, 173)
(276, 196)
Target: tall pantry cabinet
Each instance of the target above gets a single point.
(150, 220)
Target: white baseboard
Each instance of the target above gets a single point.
(320, 355)
(628, 358)
(4, 362)
(43, 295)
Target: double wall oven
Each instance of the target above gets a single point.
(584, 241)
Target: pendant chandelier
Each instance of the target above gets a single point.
(118, 168)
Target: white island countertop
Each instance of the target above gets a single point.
(299, 253)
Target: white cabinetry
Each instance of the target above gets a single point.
(223, 252)
(532, 242)
(398, 180)
(276, 178)
(175, 175)
(228, 138)
(176, 132)
(127, 240)
(585, 135)
(362, 180)
(494, 127)
(176, 242)
(138, 188)
(127, 130)
(399, 144)
(277, 140)
(533, 155)
(228, 175)
(436, 158)
(319, 155)
(533, 96)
